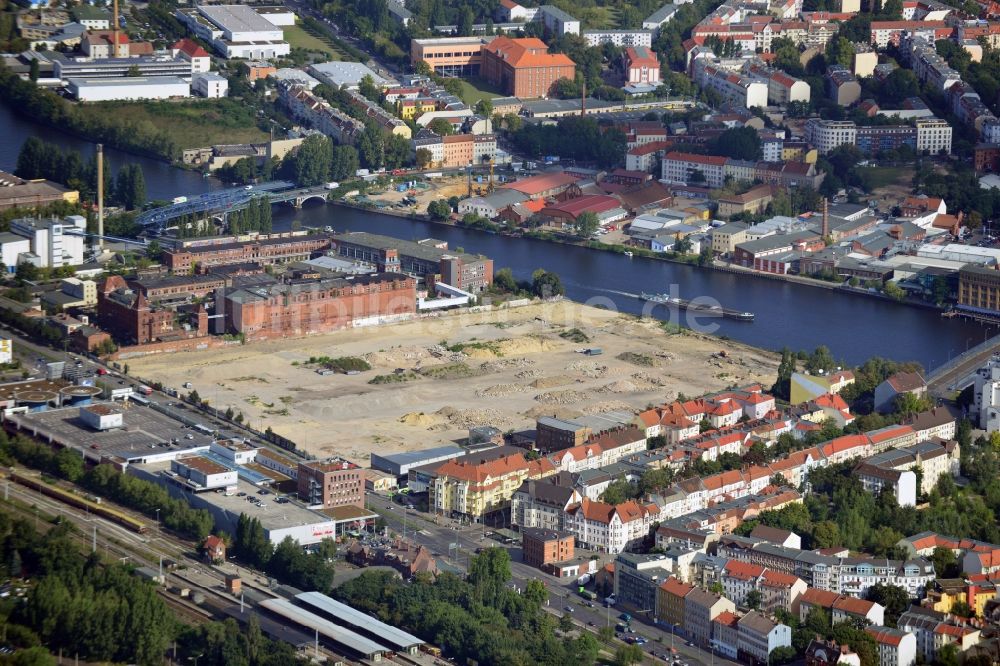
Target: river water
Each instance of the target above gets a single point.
(854, 327)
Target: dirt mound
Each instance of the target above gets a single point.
(396, 357)
(608, 406)
(419, 419)
(500, 390)
(501, 364)
(561, 397)
(590, 369)
(469, 418)
(529, 374)
(620, 386)
(554, 411)
(552, 382)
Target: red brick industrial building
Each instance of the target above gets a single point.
(266, 251)
(301, 307)
(131, 317)
(524, 68)
(331, 483)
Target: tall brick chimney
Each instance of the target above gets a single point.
(826, 217)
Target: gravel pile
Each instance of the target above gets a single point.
(620, 386)
(500, 390)
(561, 397)
(588, 369)
(469, 418)
(529, 374)
(502, 364)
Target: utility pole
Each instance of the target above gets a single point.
(93, 543)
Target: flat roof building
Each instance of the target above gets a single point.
(354, 620)
(339, 73)
(400, 464)
(129, 88)
(236, 31)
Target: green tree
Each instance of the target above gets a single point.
(371, 146)
(313, 160)
(840, 51)
(423, 158)
(484, 108)
(33, 70)
(586, 224)
(782, 386)
(618, 491)
(754, 599)
(488, 574)
(627, 655)
(741, 143)
(782, 655)
(893, 598)
(441, 127)
(344, 163)
(440, 210)
(945, 562)
(894, 291)
(367, 87)
(545, 284)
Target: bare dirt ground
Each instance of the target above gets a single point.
(502, 368)
(439, 188)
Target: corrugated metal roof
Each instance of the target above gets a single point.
(355, 618)
(339, 635)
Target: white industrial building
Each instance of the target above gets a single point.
(6, 350)
(210, 85)
(732, 87)
(49, 244)
(237, 31)
(967, 254)
(203, 473)
(101, 417)
(660, 17)
(129, 88)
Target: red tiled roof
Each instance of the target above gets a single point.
(191, 48)
(743, 570)
(853, 605)
(541, 183)
(527, 52)
(716, 160)
(817, 597)
(676, 587)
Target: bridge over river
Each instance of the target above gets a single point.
(222, 202)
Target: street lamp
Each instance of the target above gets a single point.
(157, 520)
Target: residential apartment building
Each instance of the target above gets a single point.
(477, 485)
(759, 636)
(700, 608)
(623, 38)
(732, 87)
(933, 136)
(842, 86)
(523, 67)
(542, 504)
(609, 528)
(688, 168)
(557, 21)
(330, 483)
(637, 580)
(895, 646)
(670, 601)
(826, 135)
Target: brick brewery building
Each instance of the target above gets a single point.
(303, 307)
(265, 251)
(330, 483)
(127, 312)
(523, 67)
(427, 260)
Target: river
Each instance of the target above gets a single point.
(854, 327)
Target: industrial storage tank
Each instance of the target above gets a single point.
(35, 401)
(78, 396)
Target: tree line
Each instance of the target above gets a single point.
(478, 618)
(41, 159)
(287, 561)
(106, 481)
(255, 217)
(48, 108)
(575, 137)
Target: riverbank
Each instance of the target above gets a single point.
(686, 260)
(434, 378)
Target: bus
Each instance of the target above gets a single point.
(141, 399)
(205, 430)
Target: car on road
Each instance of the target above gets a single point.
(590, 624)
(625, 617)
(568, 609)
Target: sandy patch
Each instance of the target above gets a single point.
(460, 370)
